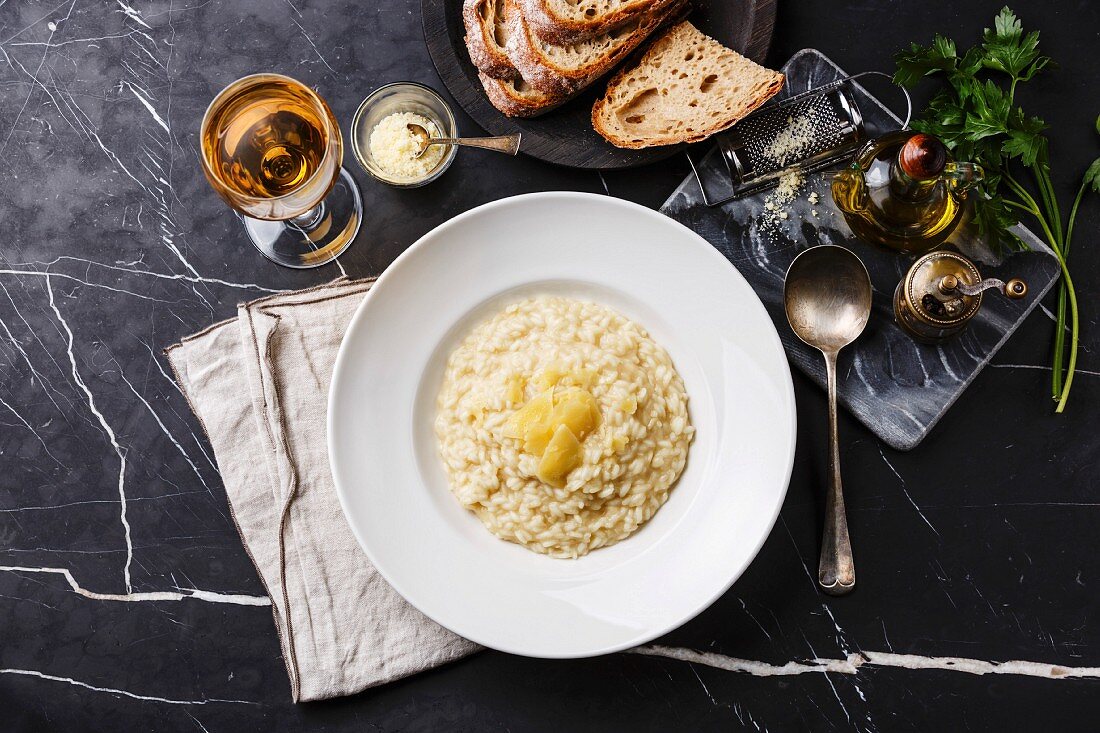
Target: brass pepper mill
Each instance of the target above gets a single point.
(941, 293)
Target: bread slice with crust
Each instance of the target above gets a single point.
(564, 69)
(685, 88)
(487, 32)
(516, 98)
(567, 21)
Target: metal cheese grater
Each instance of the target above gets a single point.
(836, 131)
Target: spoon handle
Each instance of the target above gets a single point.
(836, 571)
(502, 144)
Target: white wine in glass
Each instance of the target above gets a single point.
(272, 150)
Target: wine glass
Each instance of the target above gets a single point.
(272, 150)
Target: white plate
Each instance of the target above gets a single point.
(391, 481)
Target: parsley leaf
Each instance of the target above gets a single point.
(918, 61)
(989, 113)
(994, 219)
(1006, 47)
(1025, 139)
(1092, 175)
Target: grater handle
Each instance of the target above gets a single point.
(703, 186)
(908, 99)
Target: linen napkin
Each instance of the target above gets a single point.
(259, 386)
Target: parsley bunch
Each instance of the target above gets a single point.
(976, 116)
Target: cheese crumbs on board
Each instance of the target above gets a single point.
(777, 203)
(394, 147)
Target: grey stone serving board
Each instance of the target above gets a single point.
(893, 385)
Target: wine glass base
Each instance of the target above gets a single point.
(317, 237)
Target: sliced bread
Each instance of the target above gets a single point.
(487, 31)
(516, 98)
(685, 88)
(568, 21)
(564, 69)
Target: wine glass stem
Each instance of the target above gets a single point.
(309, 219)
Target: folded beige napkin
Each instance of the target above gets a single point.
(259, 385)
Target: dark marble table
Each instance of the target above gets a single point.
(979, 545)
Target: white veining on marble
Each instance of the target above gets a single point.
(313, 45)
(152, 110)
(855, 661)
(35, 77)
(114, 691)
(30, 427)
(64, 276)
(745, 608)
(163, 428)
(1042, 368)
(239, 599)
(748, 666)
(131, 13)
(905, 491)
(703, 684)
(107, 430)
(198, 723)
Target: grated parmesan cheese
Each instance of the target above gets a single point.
(394, 147)
(793, 142)
(779, 199)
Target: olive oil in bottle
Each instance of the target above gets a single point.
(903, 192)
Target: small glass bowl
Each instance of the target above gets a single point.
(406, 96)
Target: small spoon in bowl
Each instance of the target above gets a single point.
(502, 144)
(827, 296)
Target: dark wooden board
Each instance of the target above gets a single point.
(565, 135)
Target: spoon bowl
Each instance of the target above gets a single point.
(422, 137)
(827, 296)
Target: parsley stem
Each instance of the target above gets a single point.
(1033, 207)
(1046, 190)
(1060, 334)
(1073, 216)
(1073, 333)
(1021, 207)
(1059, 389)
(1059, 344)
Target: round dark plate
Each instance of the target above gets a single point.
(565, 135)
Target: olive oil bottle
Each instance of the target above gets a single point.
(903, 192)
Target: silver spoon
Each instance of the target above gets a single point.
(827, 295)
(502, 144)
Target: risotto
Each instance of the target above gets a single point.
(562, 425)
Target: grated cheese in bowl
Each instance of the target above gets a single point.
(394, 147)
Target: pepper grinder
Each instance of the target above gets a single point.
(941, 293)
